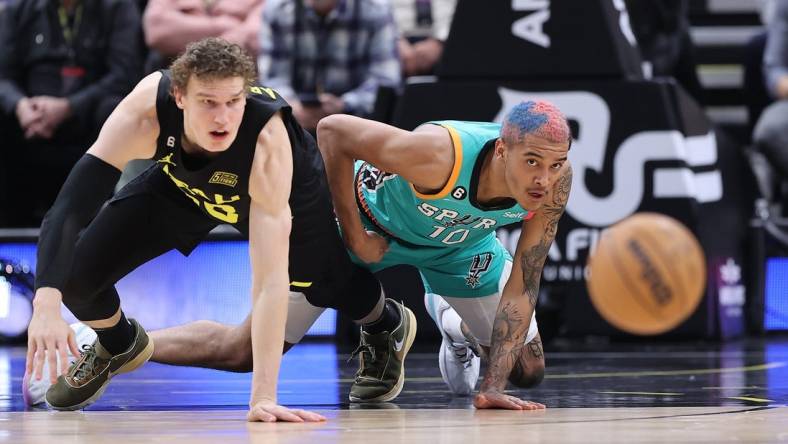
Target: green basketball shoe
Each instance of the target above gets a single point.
(381, 371)
(88, 377)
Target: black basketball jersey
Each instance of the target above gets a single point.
(219, 186)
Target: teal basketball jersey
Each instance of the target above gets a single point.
(450, 217)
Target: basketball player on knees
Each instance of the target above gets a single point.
(433, 198)
(484, 171)
(227, 152)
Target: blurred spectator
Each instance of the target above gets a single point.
(170, 25)
(771, 131)
(754, 92)
(328, 56)
(423, 27)
(661, 28)
(767, 9)
(64, 65)
(775, 58)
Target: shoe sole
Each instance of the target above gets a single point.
(445, 376)
(395, 391)
(442, 356)
(132, 365)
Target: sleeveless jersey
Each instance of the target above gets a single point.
(219, 186)
(450, 217)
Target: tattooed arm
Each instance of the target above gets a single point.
(519, 298)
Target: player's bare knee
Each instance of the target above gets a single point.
(237, 345)
(241, 361)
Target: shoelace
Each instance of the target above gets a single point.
(365, 349)
(84, 366)
(463, 352)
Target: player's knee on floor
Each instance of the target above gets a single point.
(239, 358)
(236, 348)
(240, 361)
(528, 377)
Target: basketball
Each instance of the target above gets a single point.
(647, 274)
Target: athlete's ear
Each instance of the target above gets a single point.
(178, 96)
(500, 148)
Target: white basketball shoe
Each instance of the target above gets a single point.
(34, 391)
(458, 362)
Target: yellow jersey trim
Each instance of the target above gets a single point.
(455, 172)
(301, 284)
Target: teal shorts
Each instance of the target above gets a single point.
(468, 271)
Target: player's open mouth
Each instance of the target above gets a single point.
(219, 134)
(537, 195)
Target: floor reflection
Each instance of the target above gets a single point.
(317, 375)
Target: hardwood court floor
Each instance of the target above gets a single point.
(450, 426)
(685, 393)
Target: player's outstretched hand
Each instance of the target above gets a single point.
(498, 400)
(271, 412)
(370, 248)
(48, 335)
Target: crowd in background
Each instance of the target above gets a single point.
(65, 65)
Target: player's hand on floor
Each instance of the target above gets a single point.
(498, 400)
(48, 336)
(267, 411)
(370, 247)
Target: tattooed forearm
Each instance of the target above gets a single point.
(508, 329)
(514, 312)
(561, 189)
(531, 263)
(556, 205)
(533, 259)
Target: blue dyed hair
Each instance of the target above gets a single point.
(540, 118)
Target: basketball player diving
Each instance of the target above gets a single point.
(227, 152)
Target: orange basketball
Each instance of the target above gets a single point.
(647, 274)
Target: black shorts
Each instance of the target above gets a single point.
(149, 217)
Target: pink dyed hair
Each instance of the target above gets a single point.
(540, 118)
